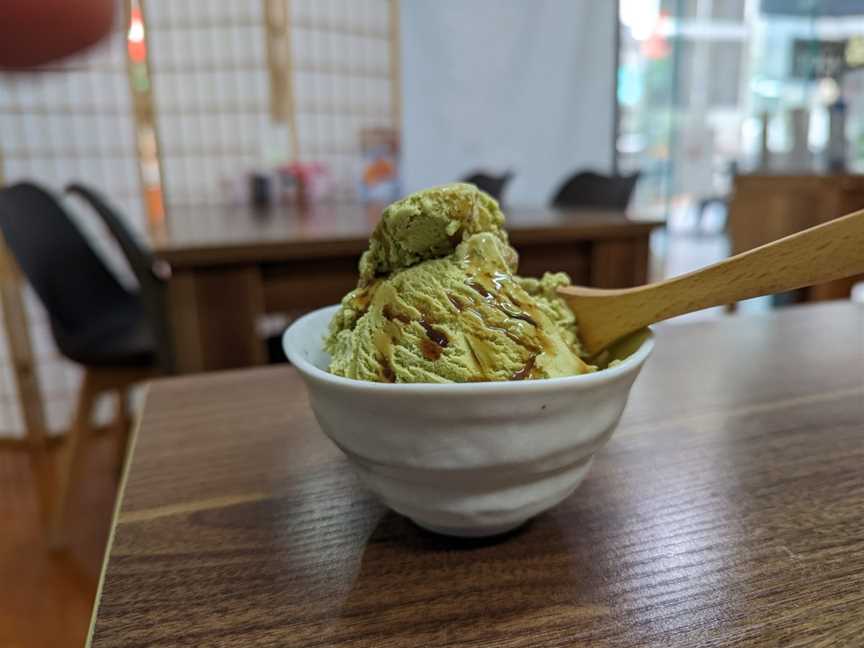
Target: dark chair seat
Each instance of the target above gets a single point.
(590, 189)
(130, 344)
(491, 184)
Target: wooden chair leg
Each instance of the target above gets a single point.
(69, 463)
(24, 371)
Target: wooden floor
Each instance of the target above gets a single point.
(46, 598)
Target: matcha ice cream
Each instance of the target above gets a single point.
(438, 300)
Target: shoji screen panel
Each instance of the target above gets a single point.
(210, 90)
(342, 80)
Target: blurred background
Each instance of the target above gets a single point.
(178, 180)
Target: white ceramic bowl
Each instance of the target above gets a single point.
(470, 459)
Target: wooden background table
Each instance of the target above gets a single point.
(767, 206)
(233, 264)
(725, 511)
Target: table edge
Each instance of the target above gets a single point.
(115, 515)
(232, 253)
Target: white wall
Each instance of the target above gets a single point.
(507, 84)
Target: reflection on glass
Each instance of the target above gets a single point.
(705, 85)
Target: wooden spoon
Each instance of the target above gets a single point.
(826, 252)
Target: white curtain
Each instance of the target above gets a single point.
(507, 84)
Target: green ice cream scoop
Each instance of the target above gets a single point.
(427, 225)
(438, 300)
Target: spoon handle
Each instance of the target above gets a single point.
(829, 251)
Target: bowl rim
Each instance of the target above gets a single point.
(630, 364)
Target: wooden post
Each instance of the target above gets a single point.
(147, 145)
(395, 68)
(280, 66)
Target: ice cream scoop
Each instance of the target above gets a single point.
(438, 300)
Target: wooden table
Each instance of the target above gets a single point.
(725, 511)
(232, 264)
(767, 206)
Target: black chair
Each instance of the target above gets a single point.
(152, 273)
(94, 320)
(590, 189)
(491, 184)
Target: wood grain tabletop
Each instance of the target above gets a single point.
(217, 234)
(726, 510)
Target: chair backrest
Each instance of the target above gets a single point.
(590, 189)
(81, 295)
(152, 273)
(491, 184)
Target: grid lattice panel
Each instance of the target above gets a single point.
(210, 92)
(69, 122)
(210, 83)
(342, 80)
